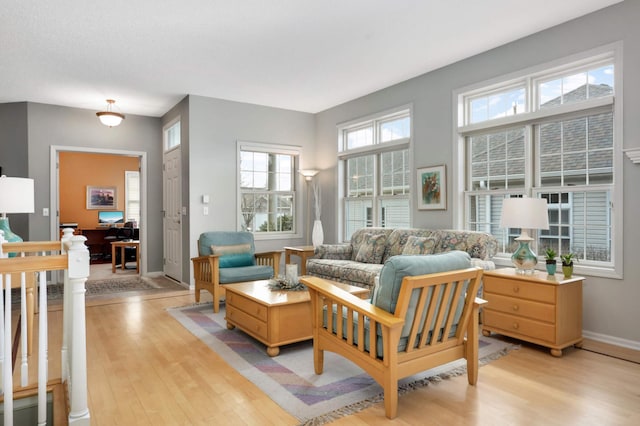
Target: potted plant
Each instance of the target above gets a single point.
(567, 264)
(550, 257)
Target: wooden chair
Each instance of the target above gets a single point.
(423, 313)
(230, 257)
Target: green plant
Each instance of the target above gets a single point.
(568, 258)
(550, 254)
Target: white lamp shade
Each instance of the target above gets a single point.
(16, 195)
(524, 213)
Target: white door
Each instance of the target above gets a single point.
(172, 214)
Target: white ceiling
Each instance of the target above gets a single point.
(304, 55)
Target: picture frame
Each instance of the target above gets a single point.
(102, 197)
(432, 187)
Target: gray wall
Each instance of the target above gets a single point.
(215, 126)
(14, 155)
(48, 125)
(610, 306)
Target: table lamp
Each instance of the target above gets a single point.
(524, 213)
(16, 196)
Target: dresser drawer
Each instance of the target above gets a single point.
(520, 289)
(247, 305)
(512, 325)
(521, 307)
(247, 322)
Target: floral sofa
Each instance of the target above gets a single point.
(359, 262)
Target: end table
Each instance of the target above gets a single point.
(303, 253)
(538, 308)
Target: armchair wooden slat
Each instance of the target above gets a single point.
(442, 296)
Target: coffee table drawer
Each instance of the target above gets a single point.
(515, 326)
(247, 322)
(247, 305)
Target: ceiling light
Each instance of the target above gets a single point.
(109, 117)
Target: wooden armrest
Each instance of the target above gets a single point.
(351, 301)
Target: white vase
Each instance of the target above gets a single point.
(317, 235)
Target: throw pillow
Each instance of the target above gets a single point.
(372, 249)
(234, 256)
(419, 245)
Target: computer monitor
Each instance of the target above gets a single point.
(110, 217)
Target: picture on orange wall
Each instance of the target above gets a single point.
(101, 197)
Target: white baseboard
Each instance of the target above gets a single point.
(611, 340)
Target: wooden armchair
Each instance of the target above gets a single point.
(230, 257)
(423, 313)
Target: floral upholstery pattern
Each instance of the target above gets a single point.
(478, 244)
(419, 245)
(337, 262)
(372, 249)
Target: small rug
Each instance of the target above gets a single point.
(114, 285)
(289, 378)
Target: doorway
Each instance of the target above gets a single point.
(69, 202)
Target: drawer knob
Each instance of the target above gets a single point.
(516, 308)
(516, 325)
(516, 289)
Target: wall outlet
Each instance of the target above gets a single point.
(45, 211)
(205, 210)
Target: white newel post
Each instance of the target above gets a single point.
(67, 234)
(77, 342)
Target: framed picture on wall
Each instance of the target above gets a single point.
(432, 188)
(102, 197)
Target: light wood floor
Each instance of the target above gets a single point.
(146, 369)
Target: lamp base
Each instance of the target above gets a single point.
(524, 259)
(9, 236)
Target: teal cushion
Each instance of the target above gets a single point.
(245, 273)
(233, 256)
(396, 268)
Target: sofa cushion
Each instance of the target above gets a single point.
(398, 267)
(360, 237)
(419, 245)
(233, 256)
(398, 239)
(372, 249)
(478, 244)
(346, 271)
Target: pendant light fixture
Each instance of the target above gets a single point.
(109, 117)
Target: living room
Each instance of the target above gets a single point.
(211, 128)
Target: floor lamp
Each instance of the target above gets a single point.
(308, 177)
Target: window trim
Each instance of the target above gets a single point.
(612, 52)
(297, 182)
(376, 149)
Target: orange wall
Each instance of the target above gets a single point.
(79, 170)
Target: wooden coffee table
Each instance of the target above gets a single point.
(273, 317)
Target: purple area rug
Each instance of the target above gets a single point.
(289, 378)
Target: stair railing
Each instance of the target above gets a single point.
(22, 261)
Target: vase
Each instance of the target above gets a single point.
(317, 234)
(551, 268)
(567, 270)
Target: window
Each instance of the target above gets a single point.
(375, 169)
(549, 134)
(132, 196)
(267, 188)
(172, 135)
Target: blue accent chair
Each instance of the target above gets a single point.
(423, 313)
(229, 257)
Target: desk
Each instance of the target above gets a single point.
(303, 253)
(123, 245)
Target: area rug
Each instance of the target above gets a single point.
(289, 378)
(115, 285)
